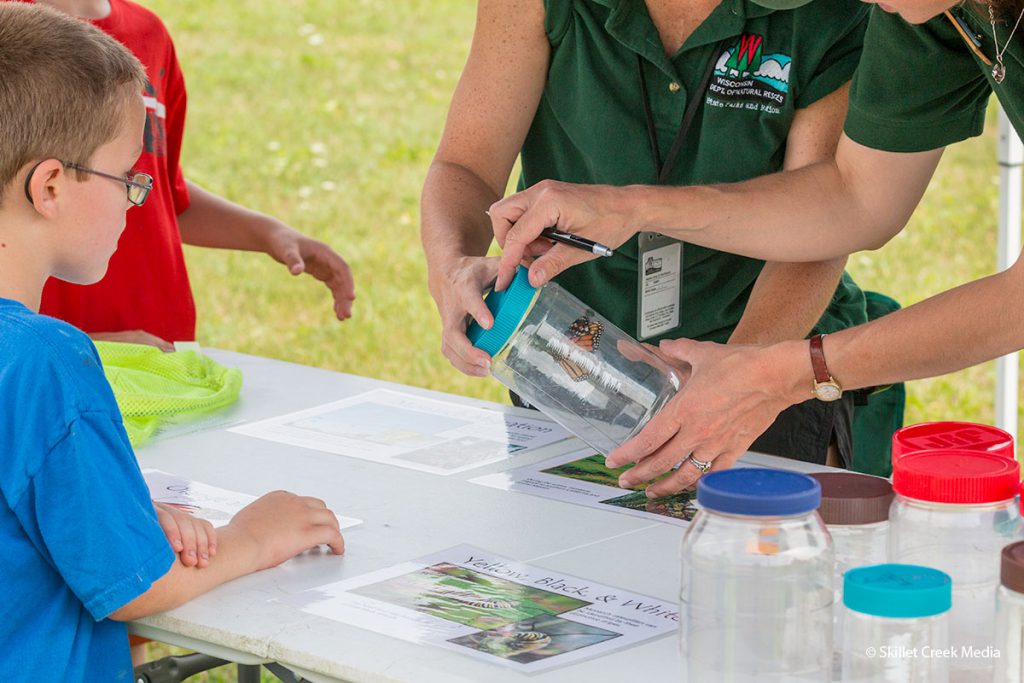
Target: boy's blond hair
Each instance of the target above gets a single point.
(64, 88)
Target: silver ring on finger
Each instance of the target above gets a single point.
(703, 466)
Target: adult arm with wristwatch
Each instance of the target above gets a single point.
(900, 120)
(735, 391)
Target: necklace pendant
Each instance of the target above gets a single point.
(998, 72)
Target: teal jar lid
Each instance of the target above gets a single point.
(898, 591)
(508, 307)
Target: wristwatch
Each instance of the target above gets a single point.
(826, 388)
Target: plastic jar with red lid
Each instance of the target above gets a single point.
(954, 510)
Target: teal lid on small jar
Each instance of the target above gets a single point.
(897, 591)
(508, 307)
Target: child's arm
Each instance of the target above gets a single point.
(194, 539)
(133, 337)
(212, 221)
(267, 532)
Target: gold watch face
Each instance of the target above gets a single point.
(827, 391)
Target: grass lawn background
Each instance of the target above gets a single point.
(327, 114)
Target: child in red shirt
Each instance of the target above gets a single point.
(145, 296)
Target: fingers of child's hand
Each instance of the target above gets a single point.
(326, 265)
(331, 537)
(169, 526)
(324, 517)
(324, 526)
(206, 540)
(165, 346)
(211, 538)
(189, 540)
(202, 544)
(294, 262)
(337, 544)
(141, 337)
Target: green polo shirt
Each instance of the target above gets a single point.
(921, 87)
(590, 128)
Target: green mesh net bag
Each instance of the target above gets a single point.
(154, 388)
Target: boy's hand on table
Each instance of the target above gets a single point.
(134, 337)
(194, 539)
(301, 254)
(280, 525)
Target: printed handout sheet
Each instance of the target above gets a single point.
(582, 478)
(492, 608)
(215, 505)
(410, 431)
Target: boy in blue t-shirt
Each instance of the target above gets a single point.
(80, 544)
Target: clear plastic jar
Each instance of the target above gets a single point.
(955, 510)
(855, 509)
(857, 545)
(564, 358)
(897, 624)
(1010, 616)
(964, 436)
(756, 592)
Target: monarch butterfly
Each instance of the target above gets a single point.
(586, 334)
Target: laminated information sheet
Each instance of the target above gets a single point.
(410, 431)
(217, 506)
(494, 609)
(582, 478)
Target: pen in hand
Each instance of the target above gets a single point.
(571, 240)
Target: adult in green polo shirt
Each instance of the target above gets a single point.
(596, 91)
(925, 78)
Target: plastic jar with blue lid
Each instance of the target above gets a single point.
(756, 594)
(565, 359)
(896, 624)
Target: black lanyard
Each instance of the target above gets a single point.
(662, 170)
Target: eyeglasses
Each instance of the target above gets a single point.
(138, 186)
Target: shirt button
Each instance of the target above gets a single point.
(674, 87)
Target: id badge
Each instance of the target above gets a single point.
(659, 276)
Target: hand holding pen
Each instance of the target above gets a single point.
(571, 240)
(594, 220)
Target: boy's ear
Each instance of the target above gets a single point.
(45, 186)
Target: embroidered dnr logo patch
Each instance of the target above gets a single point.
(746, 78)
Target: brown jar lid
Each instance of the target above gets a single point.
(852, 498)
(1011, 570)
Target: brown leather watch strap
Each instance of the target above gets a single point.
(821, 373)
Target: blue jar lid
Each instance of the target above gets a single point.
(508, 308)
(758, 492)
(900, 591)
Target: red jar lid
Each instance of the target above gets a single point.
(956, 476)
(930, 436)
